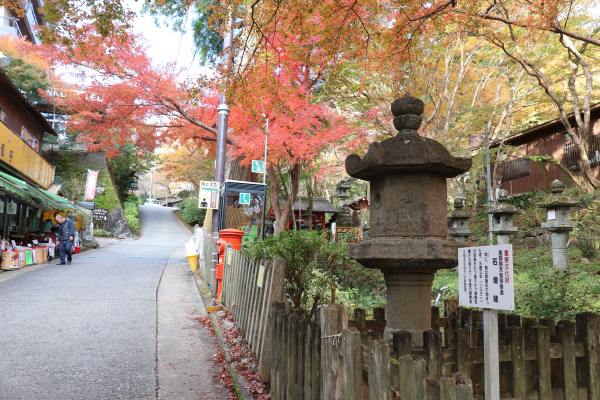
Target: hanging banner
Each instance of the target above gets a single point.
(485, 276)
(90, 185)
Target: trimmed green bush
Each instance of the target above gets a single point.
(190, 213)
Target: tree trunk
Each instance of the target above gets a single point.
(309, 211)
(236, 172)
(282, 216)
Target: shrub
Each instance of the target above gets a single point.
(131, 213)
(102, 233)
(558, 294)
(317, 270)
(190, 212)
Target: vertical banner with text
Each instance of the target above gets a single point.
(90, 185)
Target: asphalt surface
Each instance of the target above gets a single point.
(106, 326)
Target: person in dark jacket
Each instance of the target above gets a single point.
(65, 236)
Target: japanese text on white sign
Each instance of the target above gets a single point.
(209, 195)
(485, 277)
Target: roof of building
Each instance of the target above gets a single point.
(10, 88)
(541, 127)
(320, 205)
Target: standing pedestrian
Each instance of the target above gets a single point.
(65, 236)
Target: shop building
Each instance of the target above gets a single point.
(27, 209)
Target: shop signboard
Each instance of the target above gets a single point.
(16, 153)
(100, 214)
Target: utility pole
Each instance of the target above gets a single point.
(222, 121)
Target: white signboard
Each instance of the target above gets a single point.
(209, 195)
(258, 166)
(485, 277)
(551, 215)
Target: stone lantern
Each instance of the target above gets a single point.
(460, 220)
(408, 238)
(502, 218)
(559, 223)
(344, 218)
(343, 188)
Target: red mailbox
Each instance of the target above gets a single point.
(234, 237)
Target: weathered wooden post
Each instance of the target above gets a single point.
(502, 218)
(460, 221)
(408, 240)
(559, 223)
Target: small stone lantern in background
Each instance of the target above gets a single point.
(409, 230)
(559, 223)
(460, 220)
(344, 217)
(503, 218)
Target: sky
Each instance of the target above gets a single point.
(165, 45)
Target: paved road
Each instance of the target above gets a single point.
(89, 330)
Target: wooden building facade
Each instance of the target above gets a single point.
(519, 174)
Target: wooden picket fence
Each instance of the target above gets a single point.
(248, 289)
(207, 256)
(340, 359)
(332, 360)
(336, 358)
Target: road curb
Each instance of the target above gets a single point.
(239, 382)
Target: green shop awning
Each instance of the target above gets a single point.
(64, 203)
(34, 196)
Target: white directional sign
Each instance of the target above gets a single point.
(485, 277)
(209, 195)
(245, 198)
(258, 166)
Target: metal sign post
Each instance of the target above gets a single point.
(262, 231)
(491, 358)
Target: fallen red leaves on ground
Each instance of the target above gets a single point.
(240, 355)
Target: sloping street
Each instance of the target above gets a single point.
(89, 330)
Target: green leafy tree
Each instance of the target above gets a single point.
(127, 166)
(207, 39)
